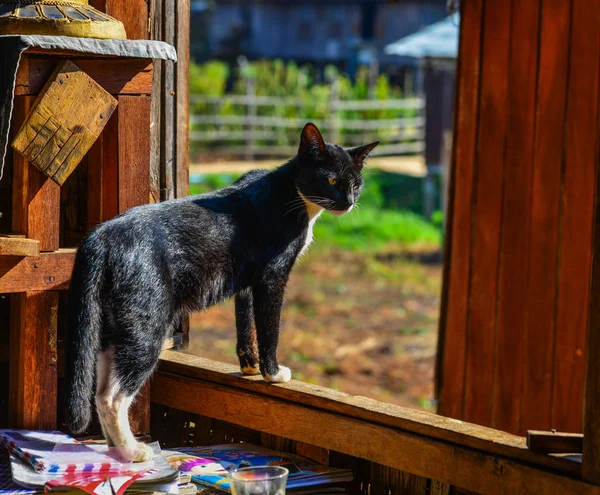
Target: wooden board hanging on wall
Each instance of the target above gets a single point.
(67, 118)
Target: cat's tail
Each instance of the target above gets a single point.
(85, 328)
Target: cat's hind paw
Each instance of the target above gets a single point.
(251, 370)
(144, 453)
(284, 375)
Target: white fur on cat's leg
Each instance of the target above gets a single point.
(251, 370)
(284, 375)
(113, 408)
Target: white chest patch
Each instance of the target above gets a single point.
(314, 212)
(309, 233)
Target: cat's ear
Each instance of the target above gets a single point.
(311, 141)
(360, 153)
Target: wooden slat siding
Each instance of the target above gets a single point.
(512, 280)
(36, 198)
(419, 455)
(489, 162)
(48, 271)
(122, 76)
(134, 151)
(457, 265)
(545, 213)
(577, 216)
(182, 97)
(110, 167)
(411, 420)
(33, 374)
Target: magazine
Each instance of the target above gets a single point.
(208, 466)
(157, 472)
(7, 485)
(55, 452)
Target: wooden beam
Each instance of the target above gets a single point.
(461, 466)
(33, 373)
(362, 408)
(118, 77)
(48, 271)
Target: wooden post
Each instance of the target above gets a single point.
(36, 198)
(590, 468)
(33, 357)
(33, 375)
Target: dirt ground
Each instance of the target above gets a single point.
(365, 324)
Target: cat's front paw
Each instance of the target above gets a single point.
(283, 375)
(251, 370)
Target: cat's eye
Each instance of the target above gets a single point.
(355, 187)
(332, 181)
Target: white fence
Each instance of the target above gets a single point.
(248, 134)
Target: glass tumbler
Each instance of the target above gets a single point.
(259, 480)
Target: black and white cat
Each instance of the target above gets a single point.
(136, 275)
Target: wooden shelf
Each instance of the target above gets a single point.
(18, 245)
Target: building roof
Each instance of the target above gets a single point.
(438, 40)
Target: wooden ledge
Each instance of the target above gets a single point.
(464, 455)
(431, 425)
(18, 245)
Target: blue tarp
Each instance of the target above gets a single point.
(438, 40)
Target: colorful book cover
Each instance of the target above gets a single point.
(209, 466)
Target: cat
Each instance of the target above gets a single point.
(137, 274)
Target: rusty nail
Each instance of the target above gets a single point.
(36, 265)
(51, 279)
(61, 81)
(101, 115)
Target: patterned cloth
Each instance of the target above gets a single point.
(12, 46)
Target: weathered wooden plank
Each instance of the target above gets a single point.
(545, 214)
(481, 339)
(36, 198)
(168, 113)
(512, 280)
(545, 442)
(455, 300)
(48, 271)
(156, 130)
(415, 454)
(63, 124)
(122, 76)
(577, 203)
(410, 420)
(15, 246)
(134, 151)
(182, 96)
(33, 375)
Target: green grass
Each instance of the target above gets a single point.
(375, 224)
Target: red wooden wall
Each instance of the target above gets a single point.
(519, 246)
